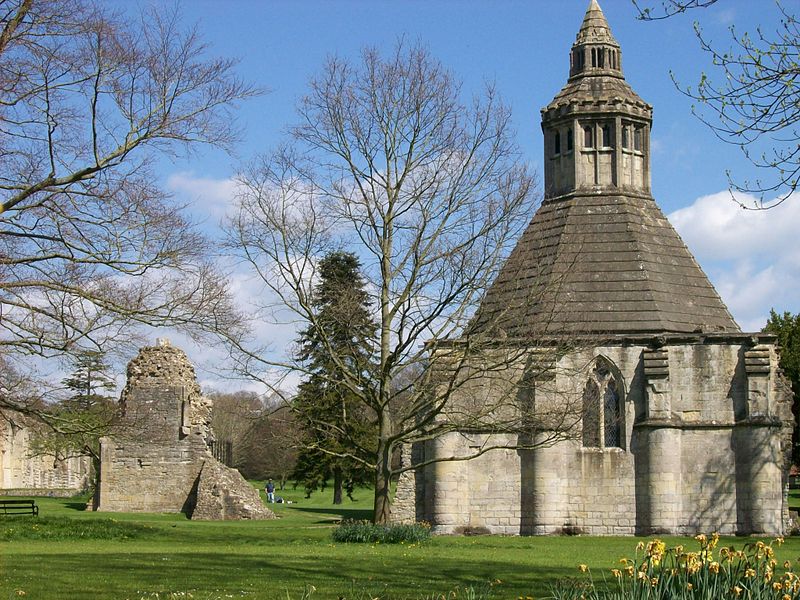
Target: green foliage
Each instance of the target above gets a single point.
(63, 528)
(660, 573)
(787, 328)
(89, 381)
(366, 532)
(336, 347)
(74, 425)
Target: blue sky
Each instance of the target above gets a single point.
(523, 46)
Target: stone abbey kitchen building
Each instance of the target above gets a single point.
(685, 421)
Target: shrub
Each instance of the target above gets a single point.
(660, 573)
(370, 533)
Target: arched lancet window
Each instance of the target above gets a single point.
(557, 143)
(602, 409)
(625, 141)
(591, 415)
(611, 417)
(637, 139)
(607, 141)
(601, 56)
(569, 139)
(588, 137)
(577, 60)
(594, 57)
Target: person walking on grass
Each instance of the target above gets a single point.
(270, 489)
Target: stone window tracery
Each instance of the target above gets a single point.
(602, 409)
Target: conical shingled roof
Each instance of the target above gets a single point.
(602, 260)
(601, 265)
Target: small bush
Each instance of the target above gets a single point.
(365, 532)
(660, 573)
(63, 528)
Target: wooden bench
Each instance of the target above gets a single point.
(18, 507)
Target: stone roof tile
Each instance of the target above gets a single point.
(601, 264)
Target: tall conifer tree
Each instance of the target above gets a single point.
(337, 427)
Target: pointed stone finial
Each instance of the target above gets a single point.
(594, 29)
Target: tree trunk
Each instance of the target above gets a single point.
(383, 479)
(337, 485)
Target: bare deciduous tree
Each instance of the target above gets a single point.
(752, 98)
(233, 414)
(430, 194)
(90, 246)
(270, 446)
(668, 8)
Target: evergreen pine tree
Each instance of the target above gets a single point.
(337, 428)
(76, 423)
(89, 382)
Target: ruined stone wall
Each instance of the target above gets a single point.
(704, 439)
(158, 460)
(22, 472)
(150, 466)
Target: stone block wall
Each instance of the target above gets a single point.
(148, 467)
(25, 473)
(705, 425)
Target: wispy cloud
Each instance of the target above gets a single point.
(210, 200)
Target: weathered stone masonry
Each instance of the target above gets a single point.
(686, 421)
(22, 473)
(159, 460)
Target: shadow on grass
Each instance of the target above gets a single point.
(338, 513)
(79, 506)
(269, 575)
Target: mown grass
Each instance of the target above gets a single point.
(135, 556)
(794, 499)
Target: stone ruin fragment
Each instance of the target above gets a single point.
(159, 458)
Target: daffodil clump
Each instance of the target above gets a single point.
(710, 572)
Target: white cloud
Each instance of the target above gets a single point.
(212, 199)
(751, 256)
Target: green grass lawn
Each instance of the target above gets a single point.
(84, 555)
(794, 499)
